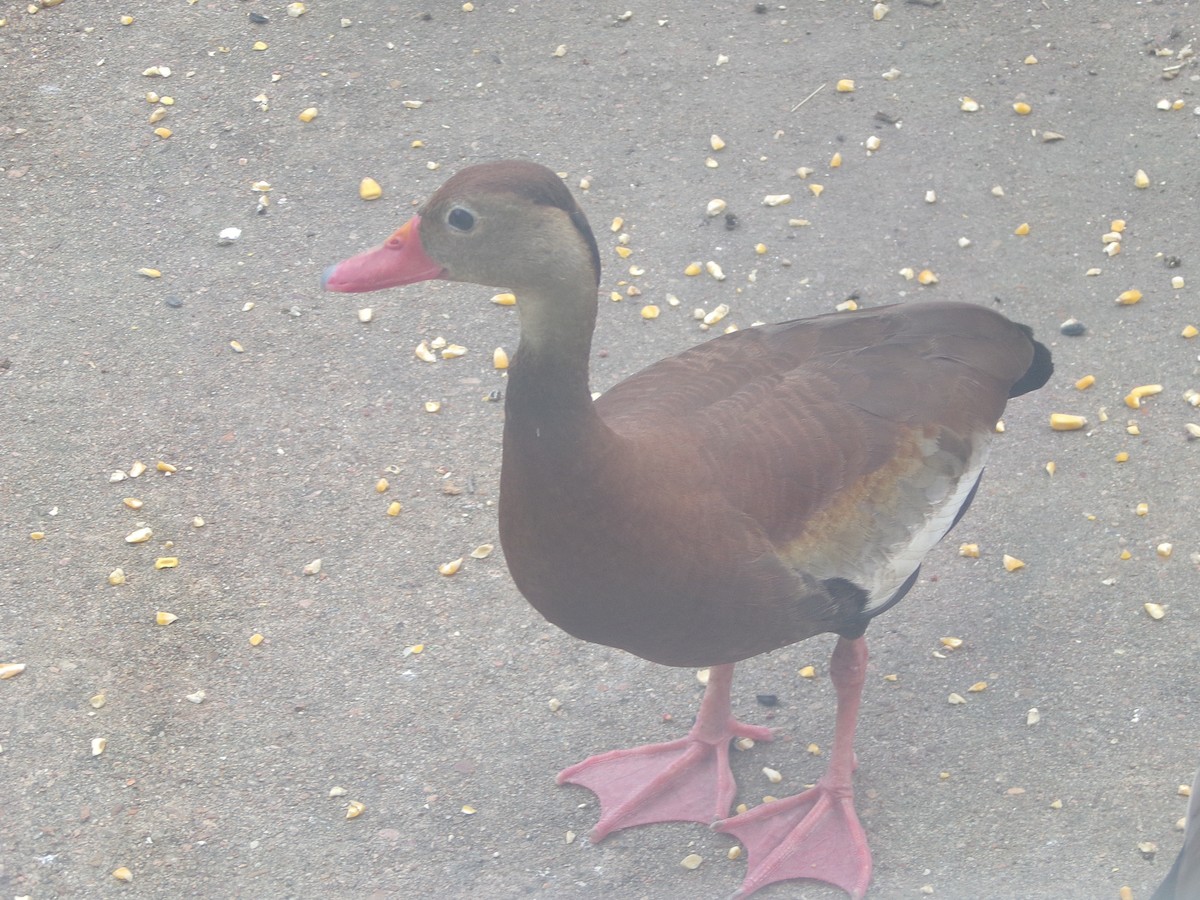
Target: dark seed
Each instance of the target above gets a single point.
(731, 221)
(1072, 328)
(767, 699)
(174, 301)
(258, 19)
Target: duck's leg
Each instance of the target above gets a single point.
(685, 780)
(815, 834)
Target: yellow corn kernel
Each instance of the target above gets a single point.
(1085, 382)
(1134, 398)
(369, 189)
(1129, 297)
(1065, 422)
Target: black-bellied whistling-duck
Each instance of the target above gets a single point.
(770, 485)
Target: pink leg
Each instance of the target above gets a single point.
(685, 780)
(815, 834)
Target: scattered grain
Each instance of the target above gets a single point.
(1065, 422)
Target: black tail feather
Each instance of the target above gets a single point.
(1039, 370)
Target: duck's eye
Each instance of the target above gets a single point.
(461, 219)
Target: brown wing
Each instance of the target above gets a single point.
(851, 440)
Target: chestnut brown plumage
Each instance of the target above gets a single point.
(769, 485)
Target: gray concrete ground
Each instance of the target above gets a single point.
(279, 447)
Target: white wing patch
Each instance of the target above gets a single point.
(944, 496)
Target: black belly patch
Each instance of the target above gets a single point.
(851, 597)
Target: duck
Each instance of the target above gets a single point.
(769, 485)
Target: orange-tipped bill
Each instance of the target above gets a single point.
(399, 260)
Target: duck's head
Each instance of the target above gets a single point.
(510, 224)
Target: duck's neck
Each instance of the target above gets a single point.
(548, 380)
